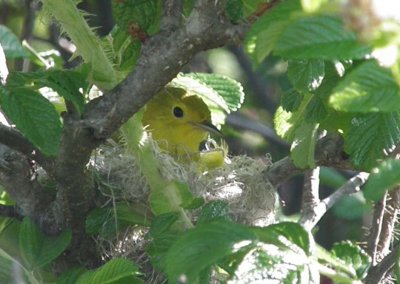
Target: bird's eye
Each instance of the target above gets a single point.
(178, 112)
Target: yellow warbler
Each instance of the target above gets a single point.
(179, 121)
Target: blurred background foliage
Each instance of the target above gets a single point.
(248, 131)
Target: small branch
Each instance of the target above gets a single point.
(389, 221)
(10, 211)
(240, 121)
(378, 272)
(13, 139)
(376, 228)
(350, 187)
(316, 212)
(29, 19)
(262, 8)
(27, 30)
(256, 82)
(310, 197)
(172, 16)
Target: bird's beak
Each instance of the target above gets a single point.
(207, 126)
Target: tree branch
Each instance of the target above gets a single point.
(389, 221)
(10, 211)
(378, 272)
(258, 84)
(13, 139)
(172, 15)
(313, 214)
(240, 121)
(310, 198)
(376, 228)
(161, 59)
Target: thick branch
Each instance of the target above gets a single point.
(310, 198)
(162, 58)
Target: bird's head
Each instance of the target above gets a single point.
(178, 120)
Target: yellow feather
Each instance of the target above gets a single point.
(179, 122)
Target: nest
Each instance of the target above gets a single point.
(251, 199)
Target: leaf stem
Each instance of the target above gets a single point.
(72, 21)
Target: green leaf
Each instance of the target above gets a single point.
(312, 5)
(234, 9)
(291, 100)
(367, 88)
(385, 177)
(315, 110)
(38, 249)
(71, 276)
(7, 267)
(283, 255)
(221, 94)
(129, 215)
(353, 207)
(10, 43)
(187, 7)
(303, 146)
(286, 123)
(162, 223)
(268, 264)
(30, 242)
(285, 235)
(117, 270)
(336, 120)
(201, 247)
(214, 210)
(370, 135)
(195, 203)
(108, 221)
(144, 14)
(306, 75)
(230, 90)
(171, 198)
(353, 256)
(9, 238)
(211, 98)
(261, 38)
(125, 50)
(319, 37)
(34, 116)
(158, 248)
(67, 83)
(284, 128)
(97, 219)
(331, 177)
